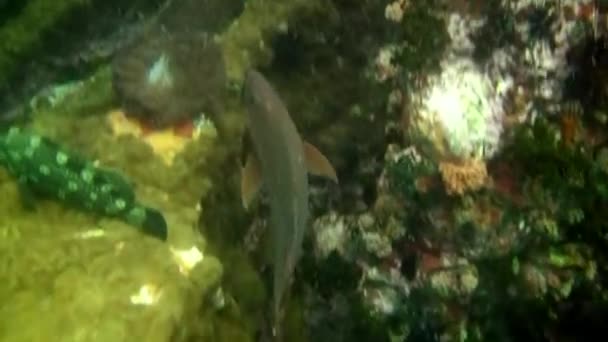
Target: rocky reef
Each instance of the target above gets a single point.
(487, 209)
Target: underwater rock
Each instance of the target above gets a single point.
(170, 78)
(181, 270)
(67, 279)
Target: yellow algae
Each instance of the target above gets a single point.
(69, 275)
(121, 125)
(164, 143)
(105, 287)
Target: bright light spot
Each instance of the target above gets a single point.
(159, 74)
(118, 247)
(187, 258)
(203, 124)
(464, 107)
(147, 295)
(92, 233)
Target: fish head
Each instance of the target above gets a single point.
(251, 92)
(266, 109)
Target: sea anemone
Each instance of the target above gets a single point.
(460, 113)
(165, 79)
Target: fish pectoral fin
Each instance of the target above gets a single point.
(251, 180)
(317, 164)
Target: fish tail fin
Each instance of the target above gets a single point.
(277, 321)
(276, 330)
(151, 221)
(154, 224)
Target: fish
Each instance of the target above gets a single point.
(42, 167)
(279, 162)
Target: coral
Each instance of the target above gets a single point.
(394, 10)
(457, 281)
(528, 246)
(460, 177)
(460, 112)
(498, 31)
(331, 234)
(462, 260)
(409, 173)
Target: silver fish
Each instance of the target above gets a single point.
(280, 161)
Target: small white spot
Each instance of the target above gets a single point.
(86, 175)
(45, 170)
(72, 186)
(29, 152)
(147, 295)
(120, 203)
(15, 156)
(93, 233)
(61, 158)
(35, 141)
(13, 131)
(187, 258)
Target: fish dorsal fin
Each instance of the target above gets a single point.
(317, 164)
(251, 180)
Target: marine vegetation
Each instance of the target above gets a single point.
(42, 167)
